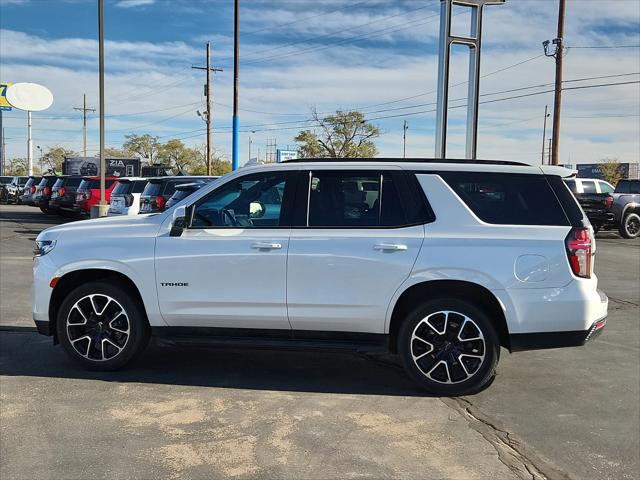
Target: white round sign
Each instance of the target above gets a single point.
(29, 96)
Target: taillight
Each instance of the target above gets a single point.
(33, 190)
(47, 190)
(160, 202)
(61, 192)
(579, 251)
(608, 202)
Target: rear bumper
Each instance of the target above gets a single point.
(535, 341)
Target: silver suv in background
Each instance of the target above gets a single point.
(125, 196)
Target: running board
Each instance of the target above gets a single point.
(270, 339)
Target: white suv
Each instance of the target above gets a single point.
(125, 196)
(441, 262)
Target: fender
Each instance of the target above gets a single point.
(629, 205)
(148, 294)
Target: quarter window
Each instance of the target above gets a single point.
(253, 201)
(588, 186)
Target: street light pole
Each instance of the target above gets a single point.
(236, 61)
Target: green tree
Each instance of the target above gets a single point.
(178, 156)
(343, 135)
(114, 152)
(54, 158)
(145, 146)
(218, 166)
(611, 170)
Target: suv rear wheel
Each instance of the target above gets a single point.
(101, 326)
(630, 225)
(449, 347)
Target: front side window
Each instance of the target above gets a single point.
(253, 201)
(343, 199)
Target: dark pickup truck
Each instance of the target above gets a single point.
(626, 208)
(596, 206)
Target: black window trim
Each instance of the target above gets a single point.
(288, 199)
(413, 196)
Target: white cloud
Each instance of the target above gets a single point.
(134, 3)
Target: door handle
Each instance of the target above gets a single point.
(390, 247)
(266, 246)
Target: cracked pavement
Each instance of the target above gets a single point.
(192, 413)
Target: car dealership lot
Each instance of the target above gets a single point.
(571, 412)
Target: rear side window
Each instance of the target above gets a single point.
(588, 186)
(73, 181)
(96, 183)
(343, 199)
(508, 199)
(138, 186)
(628, 186)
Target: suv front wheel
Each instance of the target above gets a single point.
(101, 326)
(449, 347)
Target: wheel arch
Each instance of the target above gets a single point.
(631, 207)
(459, 289)
(75, 278)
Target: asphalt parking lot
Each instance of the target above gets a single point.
(178, 413)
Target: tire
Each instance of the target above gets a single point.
(630, 226)
(113, 330)
(438, 367)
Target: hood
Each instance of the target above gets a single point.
(136, 225)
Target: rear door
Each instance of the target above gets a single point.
(352, 245)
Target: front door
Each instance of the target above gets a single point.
(357, 247)
(229, 268)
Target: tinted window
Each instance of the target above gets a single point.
(84, 185)
(572, 185)
(30, 182)
(253, 201)
(152, 189)
(58, 183)
(72, 181)
(22, 180)
(122, 188)
(6, 179)
(138, 186)
(354, 199)
(628, 186)
(508, 199)
(588, 186)
(96, 183)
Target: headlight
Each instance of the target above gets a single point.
(43, 247)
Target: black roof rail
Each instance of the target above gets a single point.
(410, 160)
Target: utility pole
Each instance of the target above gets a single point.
(84, 110)
(236, 61)
(209, 114)
(557, 102)
(100, 210)
(544, 131)
(550, 146)
(405, 127)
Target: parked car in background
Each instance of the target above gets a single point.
(626, 208)
(440, 262)
(11, 192)
(183, 190)
(88, 193)
(63, 194)
(4, 181)
(29, 190)
(595, 198)
(159, 189)
(43, 193)
(125, 197)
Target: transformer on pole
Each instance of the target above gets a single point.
(473, 41)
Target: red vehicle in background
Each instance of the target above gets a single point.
(88, 193)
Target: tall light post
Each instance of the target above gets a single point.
(236, 61)
(41, 164)
(544, 130)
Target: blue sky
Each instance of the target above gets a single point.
(379, 56)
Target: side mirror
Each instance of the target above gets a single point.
(178, 224)
(257, 210)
